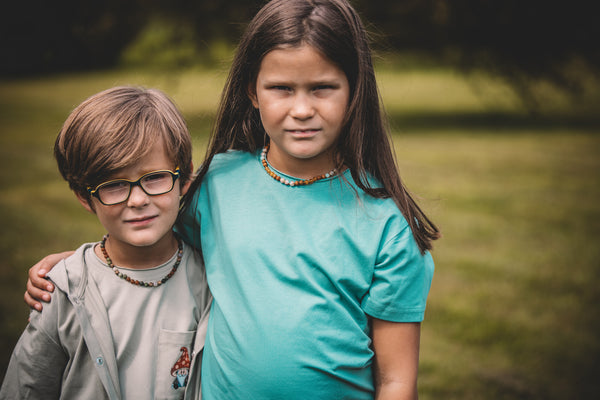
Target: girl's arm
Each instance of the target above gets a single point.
(38, 287)
(396, 346)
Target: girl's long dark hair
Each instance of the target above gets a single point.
(333, 28)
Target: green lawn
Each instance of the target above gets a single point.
(513, 309)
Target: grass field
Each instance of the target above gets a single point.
(513, 312)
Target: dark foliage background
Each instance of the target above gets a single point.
(40, 37)
(513, 311)
(521, 40)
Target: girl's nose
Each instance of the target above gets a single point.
(137, 197)
(302, 107)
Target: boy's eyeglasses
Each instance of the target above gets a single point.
(118, 190)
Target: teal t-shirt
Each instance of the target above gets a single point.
(295, 272)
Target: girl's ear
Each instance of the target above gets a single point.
(185, 187)
(252, 95)
(87, 204)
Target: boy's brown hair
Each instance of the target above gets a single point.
(114, 129)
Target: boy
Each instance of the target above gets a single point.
(129, 317)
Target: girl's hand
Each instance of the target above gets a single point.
(38, 287)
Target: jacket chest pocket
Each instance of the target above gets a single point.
(173, 363)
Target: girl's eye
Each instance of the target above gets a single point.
(281, 88)
(324, 90)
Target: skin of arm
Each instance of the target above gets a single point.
(38, 287)
(396, 347)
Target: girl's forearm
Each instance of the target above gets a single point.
(396, 391)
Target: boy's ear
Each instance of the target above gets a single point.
(87, 204)
(252, 95)
(185, 187)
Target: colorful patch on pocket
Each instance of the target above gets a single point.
(181, 369)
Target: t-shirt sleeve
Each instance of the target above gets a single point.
(401, 280)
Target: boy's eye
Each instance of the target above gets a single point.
(115, 186)
(156, 179)
(157, 176)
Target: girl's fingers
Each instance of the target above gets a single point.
(31, 302)
(37, 280)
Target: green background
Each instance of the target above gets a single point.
(513, 309)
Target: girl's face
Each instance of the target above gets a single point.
(302, 98)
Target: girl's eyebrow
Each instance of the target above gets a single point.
(331, 82)
(292, 82)
(271, 82)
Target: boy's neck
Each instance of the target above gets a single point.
(125, 255)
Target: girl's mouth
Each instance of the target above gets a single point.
(303, 132)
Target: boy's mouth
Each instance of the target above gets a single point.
(140, 220)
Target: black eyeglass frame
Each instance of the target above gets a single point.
(94, 192)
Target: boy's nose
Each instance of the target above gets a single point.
(137, 197)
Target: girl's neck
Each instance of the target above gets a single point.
(125, 255)
(298, 167)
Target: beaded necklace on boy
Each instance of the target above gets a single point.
(135, 281)
(287, 182)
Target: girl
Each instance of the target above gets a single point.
(316, 255)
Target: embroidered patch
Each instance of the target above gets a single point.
(181, 369)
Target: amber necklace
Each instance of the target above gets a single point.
(135, 281)
(287, 182)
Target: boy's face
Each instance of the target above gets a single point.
(142, 222)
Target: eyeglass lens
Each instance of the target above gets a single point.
(153, 184)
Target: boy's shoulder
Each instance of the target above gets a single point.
(196, 277)
(68, 277)
(69, 273)
(192, 260)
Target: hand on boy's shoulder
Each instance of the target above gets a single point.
(38, 287)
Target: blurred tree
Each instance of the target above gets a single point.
(212, 19)
(40, 36)
(520, 40)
